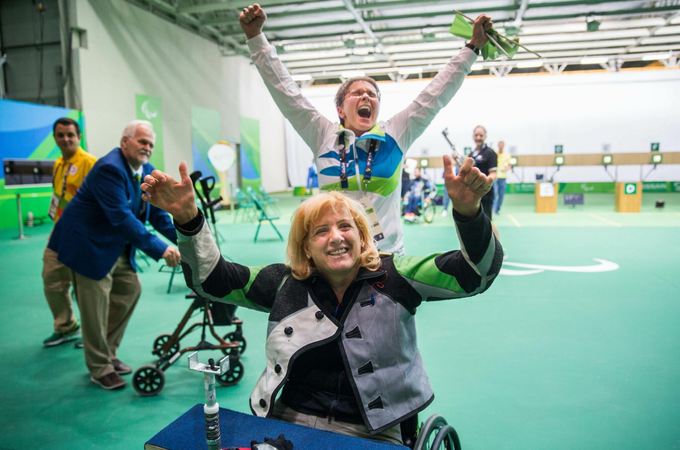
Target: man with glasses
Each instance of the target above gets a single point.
(361, 156)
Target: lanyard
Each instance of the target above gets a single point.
(342, 151)
(369, 162)
(343, 161)
(63, 183)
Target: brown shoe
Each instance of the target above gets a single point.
(120, 367)
(110, 381)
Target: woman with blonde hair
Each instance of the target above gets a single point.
(341, 338)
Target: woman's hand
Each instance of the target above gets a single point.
(177, 198)
(252, 19)
(467, 188)
(481, 25)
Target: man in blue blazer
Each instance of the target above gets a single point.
(97, 237)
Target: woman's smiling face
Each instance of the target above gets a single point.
(334, 243)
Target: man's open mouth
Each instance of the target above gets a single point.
(364, 112)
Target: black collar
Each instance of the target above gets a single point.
(364, 274)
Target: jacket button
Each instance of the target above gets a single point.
(277, 368)
(263, 403)
(288, 331)
(319, 315)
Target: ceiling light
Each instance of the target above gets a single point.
(352, 74)
(531, 63)
(410, 70)
(595, 60)
(302, 77)
(656, 56)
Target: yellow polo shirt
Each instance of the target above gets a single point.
(68, 176)
(503, 165)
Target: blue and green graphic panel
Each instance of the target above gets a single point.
(250, 153)
(26, 132)
(149, 108)
(205, 132)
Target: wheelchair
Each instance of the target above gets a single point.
(149, 380)
(425, 210)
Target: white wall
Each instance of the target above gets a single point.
(131, 51)
(627, 110)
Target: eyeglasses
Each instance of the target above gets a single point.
(360, 93)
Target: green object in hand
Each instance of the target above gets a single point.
(462, 28)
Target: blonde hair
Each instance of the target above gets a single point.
(305, 216)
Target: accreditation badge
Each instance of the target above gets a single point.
(373, 217)
(54, 204)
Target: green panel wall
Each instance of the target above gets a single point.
(149, 108)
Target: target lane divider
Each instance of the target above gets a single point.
(611, 222)
(517, 224)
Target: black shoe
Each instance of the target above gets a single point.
(110, 381)
(120, 367)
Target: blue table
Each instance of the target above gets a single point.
(238, 429)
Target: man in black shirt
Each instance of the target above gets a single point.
(486, 161)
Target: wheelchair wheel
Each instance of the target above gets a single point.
(428, 212)
(233, 337)
(232, 376)
(148, 381)
(160, 342)
(436, 434)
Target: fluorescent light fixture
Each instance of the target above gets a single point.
(410, 70)
(302, 77)
(530, 63)
(559, 160)
(477, 66)
(656, 56)
(595, 60)
(352, 74)
(607, 160)
(424, 162)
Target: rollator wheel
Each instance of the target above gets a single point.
(232, 337)
(160, 342)
(436, 434)
(232, 376)
(428, 212)
(148, 381)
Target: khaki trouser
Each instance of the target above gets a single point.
(286, 414)
(106, 306)
(57, 286)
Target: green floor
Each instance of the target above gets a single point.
(547, 359)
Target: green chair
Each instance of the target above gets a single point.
(268, 200)
(263, 216)
(245, 203)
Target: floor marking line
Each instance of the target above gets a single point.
(595, 216)
(514, 221)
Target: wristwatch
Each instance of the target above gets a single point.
(473, 48)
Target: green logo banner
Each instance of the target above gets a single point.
(149, 108)
(205, 132)
(630, 188)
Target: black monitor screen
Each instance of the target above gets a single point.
(28, 172)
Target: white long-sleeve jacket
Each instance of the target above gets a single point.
(393, 137)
